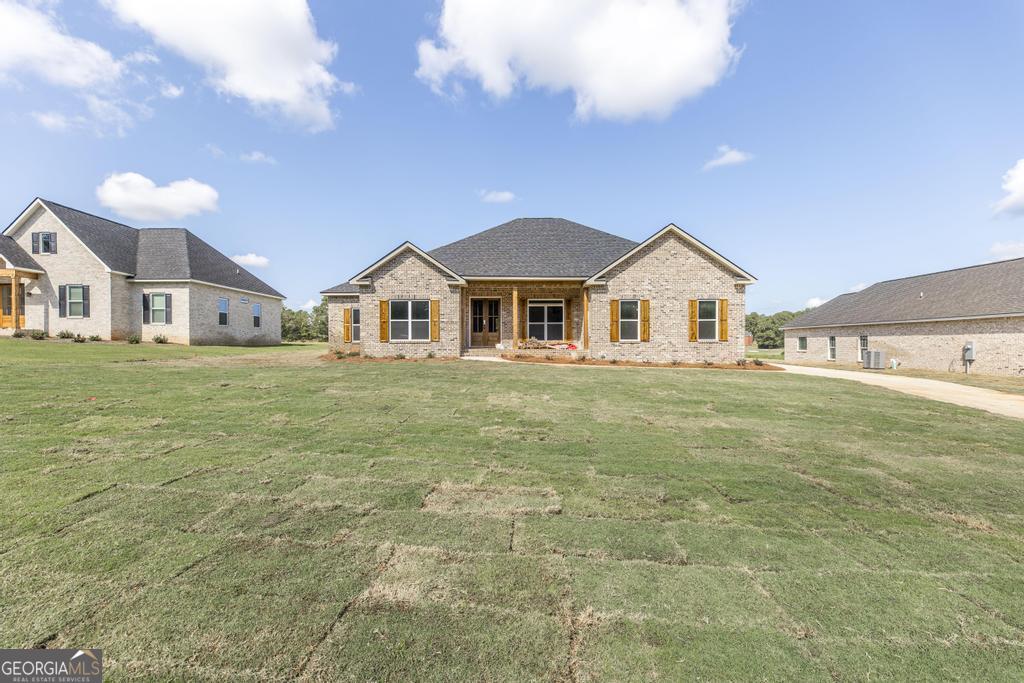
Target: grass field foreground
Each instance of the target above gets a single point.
(205, 514)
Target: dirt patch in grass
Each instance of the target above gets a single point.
(566, 360)
(493, 501)
(360, 359)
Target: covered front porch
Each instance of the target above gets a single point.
(521, 314)
(12, 298)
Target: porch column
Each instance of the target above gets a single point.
(586, 318)
(14, 297)
(515, 317)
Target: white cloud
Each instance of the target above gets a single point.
(1013, 185)
(171, 91)
(622, 59)
(727, 156)
(141, 57)
(257, 157)
(309, 305)
(814, 302)
(214, 151)
(496, 196)
(52, 120)
(251, 260)
(135, 196)
(265, 52)
(1007, 250)
(858, 287)
(32, 42)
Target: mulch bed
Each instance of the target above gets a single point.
(565, 360)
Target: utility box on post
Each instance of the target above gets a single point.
(969, 351)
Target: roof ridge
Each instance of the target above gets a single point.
(71, 208)
(940, 272)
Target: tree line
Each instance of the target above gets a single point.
(766, 328)
(303, 325)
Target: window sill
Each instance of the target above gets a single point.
(410, 341)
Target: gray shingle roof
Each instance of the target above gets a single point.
(15, 255)
(533, 247)
(157, 253)
(343, 288)
(990, 289)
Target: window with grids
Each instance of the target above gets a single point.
(76, 301)
(862, 347)
(158, 309)
(707, 320)
(831, 348)
(629, 320)
(410, 320)
(546, 320)
(257, 315)
(801, 343)
(355, 324)
(222, 311)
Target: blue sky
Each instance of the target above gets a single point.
(871, 140)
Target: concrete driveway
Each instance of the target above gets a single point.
(998, 402)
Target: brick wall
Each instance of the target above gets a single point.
(669, 272)
(336, 306)
(999, 344)
(410, 276)
(204, 327)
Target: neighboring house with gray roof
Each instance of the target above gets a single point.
(64, 269)
(923, 321)
(540, 285)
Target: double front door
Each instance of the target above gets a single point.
(485, 322)
(6, 313)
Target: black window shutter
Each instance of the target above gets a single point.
(145, 309)
(167, 305)
(53, 243)
(35, 243)
(85, 301)
(62, 296)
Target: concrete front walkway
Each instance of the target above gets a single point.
(998, 402)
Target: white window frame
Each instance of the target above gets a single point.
(862, 347)
(225, 312)
(153, 308)
(707, 320)
(831, 353)
(257, 315)
(48, 236)
(80, 301)
(357, 323)
(546, 304)
(409, 320)
(801, 343)
(622, 337)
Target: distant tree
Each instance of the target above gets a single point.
(318, 321)
(295, 325)
(766, 328)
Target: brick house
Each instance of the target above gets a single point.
(542, 285)
(65, 269)
(923, 321)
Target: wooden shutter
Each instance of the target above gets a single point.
(645, 320)
(145, 309)
(346, 325)
(85, 301)
(53, 243)
(167, 309)
(62, 298)
(35, 243)
(613, 321)
(723, 320)
(523, 310)
(384, 336)
(567, 330)
(693, 320)
(435, 320)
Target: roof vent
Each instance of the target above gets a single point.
(921, 295)
(238, 271)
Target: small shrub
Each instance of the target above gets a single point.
(65, 334)
(742, 362)
(549, 356)
(160, 339)
(340, 354)
(94, 337)
(400, 356)
(134, 339)
(614, 361)
(353, 354)
(675, 361)
(18, 334)
(79, 339)
(430, 354)
(38, 335)
(708, 363)
(758, 362)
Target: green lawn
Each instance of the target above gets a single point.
(765, 354)
(212, 514)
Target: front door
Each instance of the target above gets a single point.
(485, 322)
(6, 314)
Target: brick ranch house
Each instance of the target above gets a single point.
(64, 269)
(547, 282)
(924, 321)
